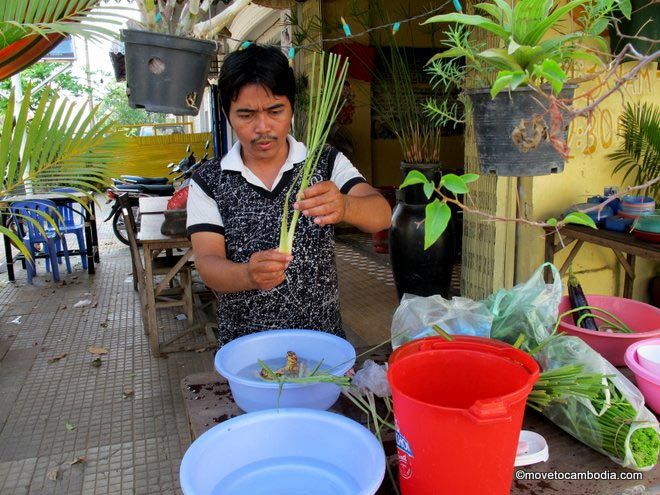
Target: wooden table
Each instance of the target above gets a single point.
(618, 242)
(208, 401)
(91, 235)
(153, 243)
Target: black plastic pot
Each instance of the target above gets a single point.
(166, 74)
(418, 271)
(118, 65)
(644, 22)
(512, 132)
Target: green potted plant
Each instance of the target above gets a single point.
(638, 155)
(169, 55)
(519, 125)
(417, 268)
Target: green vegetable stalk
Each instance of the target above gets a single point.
(326, 83)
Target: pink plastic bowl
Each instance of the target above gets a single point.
(642, 318)
(647, 382)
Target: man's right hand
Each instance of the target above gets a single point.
(266, 268)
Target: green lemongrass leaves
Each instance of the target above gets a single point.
(326, 83)
(612, 321)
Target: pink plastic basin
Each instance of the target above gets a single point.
(642, 318)
(647, 381)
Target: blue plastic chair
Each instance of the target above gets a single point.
(31, 235)
(73, 222)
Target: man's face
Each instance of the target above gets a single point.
(261, 121)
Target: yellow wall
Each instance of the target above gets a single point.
(155, 152)
(585, 174)
(387, 157)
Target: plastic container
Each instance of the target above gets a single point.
(532, 449)
(599, 217)
(459, 408)
(618, 223)
(647, 382)
(642, 318)
(648, 356)
(252, 393)
(638, 204)
(286, 451)
(649, 222)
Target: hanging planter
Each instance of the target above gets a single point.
(165, 73)
(513, 132)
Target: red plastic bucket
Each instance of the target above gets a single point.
(459, 407)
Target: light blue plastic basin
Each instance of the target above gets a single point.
(282, 452)
(252, 393)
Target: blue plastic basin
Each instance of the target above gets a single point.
(238, 360)
(284, 451)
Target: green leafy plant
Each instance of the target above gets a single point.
(326, 81)
(438, 212)
(52, 145)
(527, 55)
(638, 155)
(399, 108)
(22, 18)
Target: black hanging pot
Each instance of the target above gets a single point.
(644, 22)
(418, 271)
(164, 73)
(512, 132)
(118, 65)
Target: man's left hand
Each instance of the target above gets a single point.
(324, 202)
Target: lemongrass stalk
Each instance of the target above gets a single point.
(326, 83)
(622, 325)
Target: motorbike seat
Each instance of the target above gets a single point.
(157, 189)
(137, 179)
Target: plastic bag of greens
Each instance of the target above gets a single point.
(416, 315)
(614, 421)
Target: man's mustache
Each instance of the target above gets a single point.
(261, 139)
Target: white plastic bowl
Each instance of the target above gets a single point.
(252, 393)
(284, 451)
(648, 356)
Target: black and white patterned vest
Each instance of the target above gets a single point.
(309, 297)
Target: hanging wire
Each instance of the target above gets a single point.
(347, 30)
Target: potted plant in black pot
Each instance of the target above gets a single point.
(520, 129)
(169, 54)
(418, 267)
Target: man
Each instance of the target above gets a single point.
(235, 208)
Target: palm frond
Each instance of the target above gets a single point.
(638, 155)
(59, 145)
(22, 18)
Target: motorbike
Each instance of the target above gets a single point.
(137, 186)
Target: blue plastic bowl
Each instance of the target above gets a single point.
(238, 360)
(284, 451)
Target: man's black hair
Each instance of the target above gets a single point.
(264, 65)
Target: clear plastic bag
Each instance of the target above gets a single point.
(531, 309)
(416, 315)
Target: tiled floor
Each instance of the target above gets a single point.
(69, 427)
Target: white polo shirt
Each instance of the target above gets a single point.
(203, 210)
